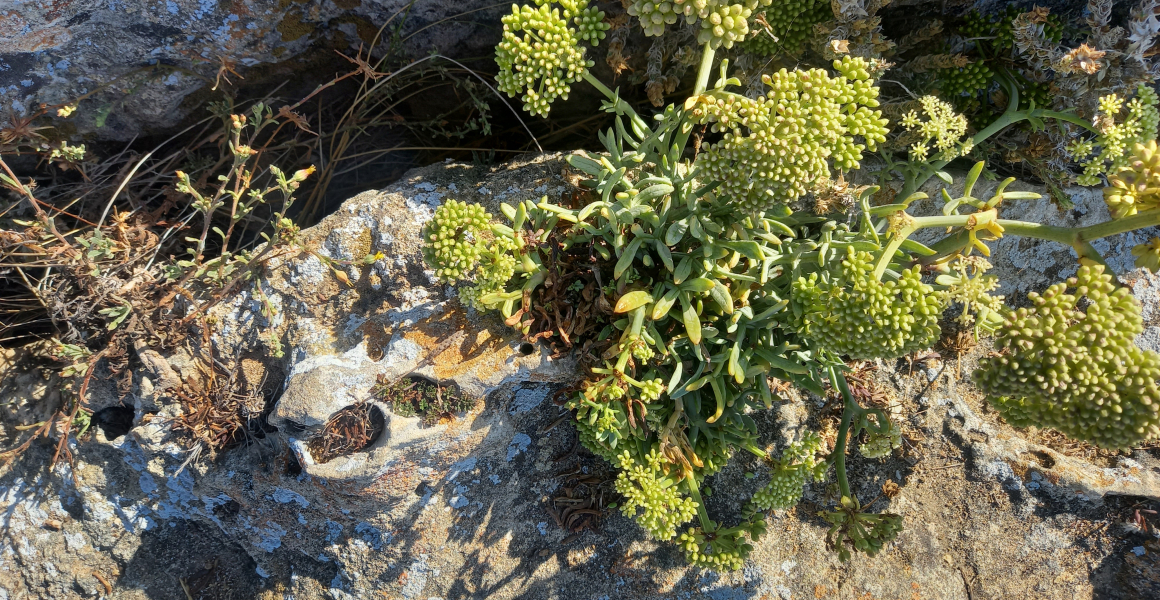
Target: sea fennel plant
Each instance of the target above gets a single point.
(692, 282)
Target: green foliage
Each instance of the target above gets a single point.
(117, 314)
(237, 196)
(853, 313)
(702, 284)
(854, 530)
(420, 397)
(1135, 186)
(1148, 255)
(776, 146)
(1075, 368)
(75, 356)
(1117, 139)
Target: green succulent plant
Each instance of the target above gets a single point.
(776, 146)
(852, 529)
(853, 313)
(1119, 133)
(797, 466)
(701, 284)
(1077, 369)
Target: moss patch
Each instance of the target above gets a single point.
(293, 27)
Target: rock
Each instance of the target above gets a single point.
(1140, 573)
(1015, 462)
(137, 60)
(460, 509)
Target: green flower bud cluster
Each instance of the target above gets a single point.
(723, 22)
(540, 54)
(1037, 93)
(1116, 140)
(589, 20)
(642, 351)
(654, 15)
(943, 126)
(852, 529)
(1077, 370)
(651, 389)
(798, 464)
(1148, 255)
(777, 146)
(791, 23)
(852, 313)
(723, 550)
(496, 268)
(975, 25)
(647, 489)
(452, 239)
(1135, 186)
(879, 445)
(965, 80)
(725, 25)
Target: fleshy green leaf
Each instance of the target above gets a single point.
(632, 300)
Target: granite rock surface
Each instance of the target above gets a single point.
(474, 505)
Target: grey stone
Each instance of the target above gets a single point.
(135, 61)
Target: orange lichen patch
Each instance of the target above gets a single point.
(35, 41)
(12, 23)
(238, 7)
(54, 9)
(460, 345)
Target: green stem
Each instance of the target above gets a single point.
(888, 254)
(621, 105)
(702, 513)
(849, 411)
(705, 70)
(758, 452)
(1079, 238)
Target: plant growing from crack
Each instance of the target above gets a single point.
(704, 285)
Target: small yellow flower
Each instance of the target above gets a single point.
(986, 221)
